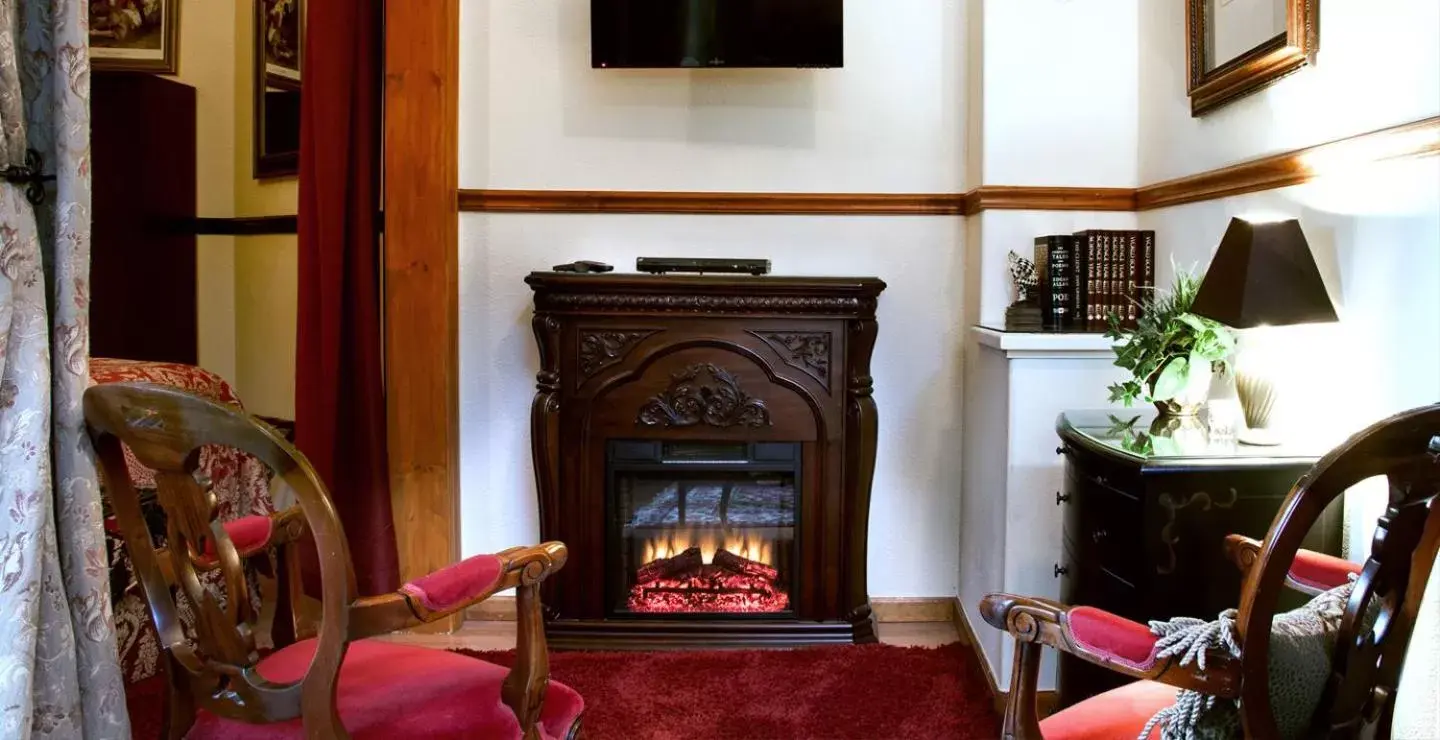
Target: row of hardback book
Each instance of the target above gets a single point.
(1086, 277)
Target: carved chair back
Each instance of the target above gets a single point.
(211, 661)
(1375, 632)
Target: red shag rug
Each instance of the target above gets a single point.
(826, 693)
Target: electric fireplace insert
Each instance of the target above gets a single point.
(702, 528)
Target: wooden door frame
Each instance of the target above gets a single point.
(421, 182)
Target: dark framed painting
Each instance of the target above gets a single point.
(279, 53)
(281, 30)
(135, 35)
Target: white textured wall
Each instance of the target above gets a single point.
(1060, 101)
(1378, 65)
(890, 121)
(1064, 117)
(983, 505)
(1375, 232)
(534, 115)
(1053, 89)
(1375, 235)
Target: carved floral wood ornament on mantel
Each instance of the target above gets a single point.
(808, 351)
(601, 348)
(692, 400)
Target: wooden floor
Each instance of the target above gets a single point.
(500, 635)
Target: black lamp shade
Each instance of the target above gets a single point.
(1263, 274)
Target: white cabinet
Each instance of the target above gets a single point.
(1010, 526)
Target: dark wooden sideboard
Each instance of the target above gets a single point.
(1147, 508)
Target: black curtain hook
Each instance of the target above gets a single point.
(29, 176)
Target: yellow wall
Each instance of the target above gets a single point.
(265, 285)
(247, 285)
(207, 64)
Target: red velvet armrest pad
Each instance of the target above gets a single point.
(454, 585)
(1119, 639)
(1320, 571)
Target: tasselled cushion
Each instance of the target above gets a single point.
(1302, 642)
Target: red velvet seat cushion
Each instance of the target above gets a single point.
(249, 534)
(1118, 714)
(1117, 638)
(390, 691)
(1320, 571)
(454, 585)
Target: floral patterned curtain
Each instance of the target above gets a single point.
(58, 672)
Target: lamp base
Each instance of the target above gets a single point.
(1258, 393)
(1258, 437)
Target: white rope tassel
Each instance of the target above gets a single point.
(1181, 720)
(1191, 639)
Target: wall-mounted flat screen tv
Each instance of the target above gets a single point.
(716, 33)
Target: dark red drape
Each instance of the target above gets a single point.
(339, 386)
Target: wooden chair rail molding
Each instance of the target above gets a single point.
(1417, 139)
(1028, 198)
(242, 225)
(635, 201)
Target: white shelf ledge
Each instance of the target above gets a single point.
(1043, 344)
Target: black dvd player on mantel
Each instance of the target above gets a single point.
(662, 265)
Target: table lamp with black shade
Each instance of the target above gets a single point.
(1263, 274)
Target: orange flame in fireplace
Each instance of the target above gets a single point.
(750, 547)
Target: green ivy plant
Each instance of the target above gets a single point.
(1167, 345)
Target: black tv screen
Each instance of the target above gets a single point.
(716, 33)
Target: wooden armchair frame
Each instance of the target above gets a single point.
(1369, 656)
(165, 428)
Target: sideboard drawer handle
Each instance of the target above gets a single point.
(1098, 535)
(1101, 480)
(1060, 450)
(1061, 498)
(1059, 571)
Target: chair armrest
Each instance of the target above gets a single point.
(1106, 640)
(1310, 572)
(251, 535)
(453, 588)
(1243, 552)
(1096, 637)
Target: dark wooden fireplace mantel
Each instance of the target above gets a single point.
(715, 359)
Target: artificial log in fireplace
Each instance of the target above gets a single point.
(705, 447)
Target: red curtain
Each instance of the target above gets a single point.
(339, 383)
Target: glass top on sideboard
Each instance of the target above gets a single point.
(1142, 433)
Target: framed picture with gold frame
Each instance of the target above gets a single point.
(135, 35)
(1236, 47)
